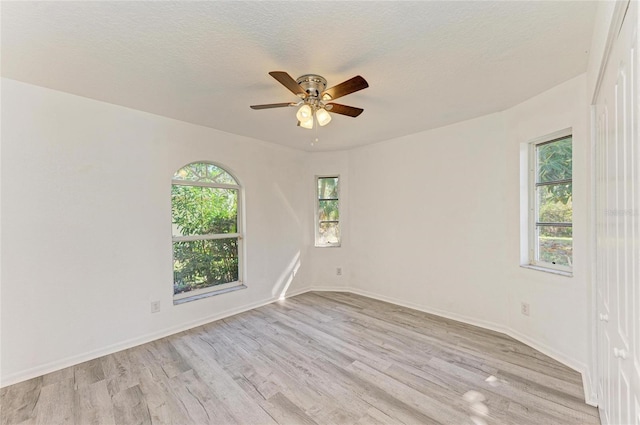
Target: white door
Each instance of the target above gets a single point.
(617, 229)
(603, 276)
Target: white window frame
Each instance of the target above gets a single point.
(317, 211)
(533, 245)
(224, 287)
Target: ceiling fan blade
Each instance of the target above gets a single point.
(286, 80)
(345, 88)
(272, 105)
(349, 111)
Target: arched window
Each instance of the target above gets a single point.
(206, 229)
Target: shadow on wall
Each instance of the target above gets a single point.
(290, 209)
(286, 278)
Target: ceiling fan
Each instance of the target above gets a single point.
(315, 98)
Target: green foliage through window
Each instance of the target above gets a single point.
(328, 230)
(554, 206)
(204, 210)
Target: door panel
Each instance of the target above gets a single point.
(617, 229)
(624, 393)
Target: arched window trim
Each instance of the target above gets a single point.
(198, 183)
(225, 287)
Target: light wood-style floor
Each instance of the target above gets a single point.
(318, 358)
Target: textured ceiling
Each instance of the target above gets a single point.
(428, 64)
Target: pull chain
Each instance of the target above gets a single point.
(316, 130)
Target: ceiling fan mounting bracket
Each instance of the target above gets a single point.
(313, 84)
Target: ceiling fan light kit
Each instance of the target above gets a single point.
(323, 117)
(304, 113)
(311, 89)
(308, 124)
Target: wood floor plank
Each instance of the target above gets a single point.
(130, 407)
(318, 358)
(284, 411)
(88, 373)
(19, 401)
(439, 412)
(376, 417)
(93, 404)
(219, 385)
(559, 411)
(460, 337)
(58, 376)
(162, 402)
(344, 343)
(118, 372)
(55, 405)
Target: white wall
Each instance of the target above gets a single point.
(429, 220)
(86, 230)
(323, 261)
(559, 304)
(435, 223)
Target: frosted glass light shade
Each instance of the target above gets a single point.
(304, 113)
(308, 123)
(323, 117)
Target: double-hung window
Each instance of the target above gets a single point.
(550, 200)
(206, 231)
(328, 211)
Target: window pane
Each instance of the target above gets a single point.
(203, 172)
(554, 161)
(218, 175)
(328, 233)
(555, 245)
(200, 210)
(201, 264)
(554, 203)
(327, 187)
(328, 210)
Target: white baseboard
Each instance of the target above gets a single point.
(133, 342)
(590, 395)
(579, 367)
(73, 360)
(327, 289)
(453, 316)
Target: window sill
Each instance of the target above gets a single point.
(209, 294)
(547, 270)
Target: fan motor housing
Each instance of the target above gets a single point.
(313, 84)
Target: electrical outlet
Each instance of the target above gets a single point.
(524, 309)
(155, 306)
(339, 271)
